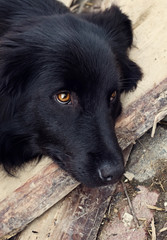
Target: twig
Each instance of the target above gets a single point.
(131, 206)
(157, 118)
(163, 229)
(82, 6)
(154, 207)
(153, 230)
(74, 7)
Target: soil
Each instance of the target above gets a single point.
(148, 165)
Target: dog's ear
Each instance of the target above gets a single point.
(117, 30)
(16, 146)
(16, 63)
(130, 73)
(116, 25)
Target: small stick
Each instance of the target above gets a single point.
(157, 118)
(82, 6)
(130, 206)
(153, 230)
(74, 7)
(163, 229)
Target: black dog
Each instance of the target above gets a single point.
(61, 76)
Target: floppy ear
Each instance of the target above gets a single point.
(116, 24)
(16, 146)
(118, 32)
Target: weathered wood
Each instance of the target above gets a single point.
(67, 2)
(78, 216)
(139, 116)
(33, 198)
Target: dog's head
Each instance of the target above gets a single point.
(61, 80)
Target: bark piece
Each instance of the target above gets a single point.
(76, 217)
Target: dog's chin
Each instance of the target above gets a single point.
(94, 183)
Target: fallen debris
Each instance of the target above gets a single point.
(130, 176)
(155, 208)
(127, 219)
(163, 230)
(153, 230)
(157, 118)
(131, 206)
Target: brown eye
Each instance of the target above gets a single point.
(63, 97)
(113, 95)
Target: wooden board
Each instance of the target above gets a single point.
(140, 108)
(68, 220)
(33, 198)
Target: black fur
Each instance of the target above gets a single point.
(44, 48)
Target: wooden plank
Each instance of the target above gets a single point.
(69, 219)
(139, 116)
(67, 2)
(33, 198)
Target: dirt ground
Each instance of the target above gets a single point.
(146, 186)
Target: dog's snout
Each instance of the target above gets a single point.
(110, 173)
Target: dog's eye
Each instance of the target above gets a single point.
(63, 97)
(113, 96)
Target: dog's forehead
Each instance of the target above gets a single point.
(92, 67)
(83, 54)
(78, 57)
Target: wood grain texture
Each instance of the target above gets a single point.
(76, 217)
(67, 2)
(139, 116)
(33, 198)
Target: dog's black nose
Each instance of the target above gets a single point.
(105, 172)
(108, 172)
